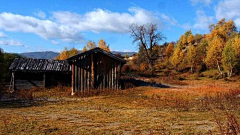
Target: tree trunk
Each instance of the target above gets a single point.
(191, 69)
(219, 69)
(230, 72)
(151, 63)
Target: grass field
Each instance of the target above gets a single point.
(195, 107)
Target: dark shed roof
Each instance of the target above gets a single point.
(39, 65)
(95, 50)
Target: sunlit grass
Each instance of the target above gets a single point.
(190, 109)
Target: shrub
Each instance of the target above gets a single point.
(127, 68)
(211, 73)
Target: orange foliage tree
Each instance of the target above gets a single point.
(102, 44)
(66, 54)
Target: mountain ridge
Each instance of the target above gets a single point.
(52, 54)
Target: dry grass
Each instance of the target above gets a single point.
(198, 107)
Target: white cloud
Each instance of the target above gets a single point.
(229, 9)
(68, 26)
(10, 43)
(170, 20)
(2, 35)
(186, 26)
(206, 2)
(40, 14)
(104, 20)
(203, 21)
(55, 42)
(44, 28)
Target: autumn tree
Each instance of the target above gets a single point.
(66, 54)
(119, 55)
(220, 34)
(179, 58)
(141, 57)
(223, 30)
(72, 52)
(169, 50)
(192, 57)
(1, 63)
(231, 55)
(236, 46)
(214, 53)
(102, 44)
(91, 45)
(148, 37)
(84, 49)
(201, 50)
(229, 58)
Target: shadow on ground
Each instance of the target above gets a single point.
(135, 82)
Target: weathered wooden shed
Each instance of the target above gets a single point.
(95, 69)
(28, 73)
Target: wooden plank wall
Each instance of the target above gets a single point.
(28, 84)
(28, 80)
(95, 71)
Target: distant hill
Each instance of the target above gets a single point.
(123, 53)
(40, 55)
(52, 55)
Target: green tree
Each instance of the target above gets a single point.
(229, 58)
(7, 60)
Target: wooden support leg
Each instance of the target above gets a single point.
(44, 80)
(73, 75)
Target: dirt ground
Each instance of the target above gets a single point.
(199, 107)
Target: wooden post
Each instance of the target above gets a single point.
(82, 79)
(120, 74)
(92, 70)
(13, 77)
(76, 78)
(44, 80)
(79, 78)
(73, 79)
(115, 67)
(112, 68)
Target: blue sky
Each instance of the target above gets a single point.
(51, 25)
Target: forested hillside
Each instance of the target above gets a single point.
(216, 54)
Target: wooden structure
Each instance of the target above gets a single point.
(95, 69)
(28, 73)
